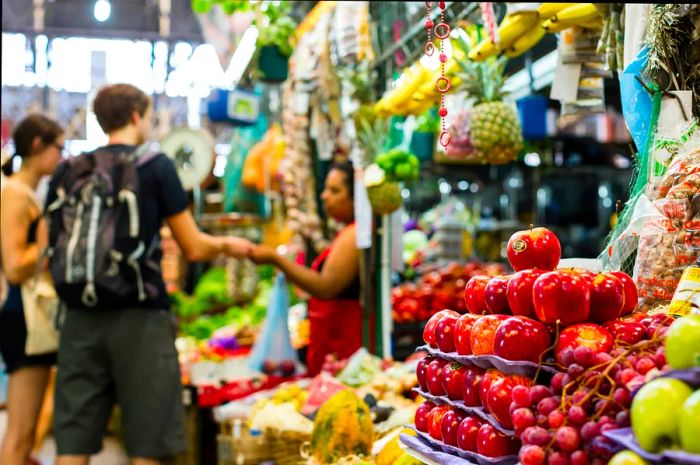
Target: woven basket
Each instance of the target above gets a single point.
(288, 447)
(237, 446)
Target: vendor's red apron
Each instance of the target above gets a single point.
(335, 326)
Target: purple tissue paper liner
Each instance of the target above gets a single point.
(508, 367)
(478, 411)
(625, 437)
(448, 455)
(690, 376)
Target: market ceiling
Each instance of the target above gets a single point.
(128, 19)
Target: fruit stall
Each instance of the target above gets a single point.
(502, 323)
(525, 180)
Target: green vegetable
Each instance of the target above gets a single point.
(428, 122)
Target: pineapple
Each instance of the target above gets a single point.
(494, 127)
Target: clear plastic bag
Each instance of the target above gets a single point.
(274, 342)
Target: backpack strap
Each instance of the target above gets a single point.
(147, 157)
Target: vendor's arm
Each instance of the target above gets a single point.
(198, 246)
(339, 270)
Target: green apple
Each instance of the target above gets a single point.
(689, 424)
(683, 342)
(656, 412)
(627, 457)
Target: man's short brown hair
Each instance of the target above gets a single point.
(114, 105)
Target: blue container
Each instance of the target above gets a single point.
(533, 116)
(237, 107)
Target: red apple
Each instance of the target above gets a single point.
(534, 248)
(468, 432)
(435, 421)
(450, 426)
(484, 333)
(626, 331)
(421, 418)
(496, 293)
(453, 380)
(519, 292)
(631, 295)
(500, 397)
(421, 369)
(445, 333)
(590, 335)
(429, 331)
(463, 331)
(607, 297)
(474, 294)
(433, 377)
(471, 391)
(521, 338)
(634, 316)
(492, 443)
(561, 296)
(488, 380)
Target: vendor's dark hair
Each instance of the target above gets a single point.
(114, 104)
(346, 167)
(31, 127)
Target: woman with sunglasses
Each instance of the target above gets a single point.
(38, 142)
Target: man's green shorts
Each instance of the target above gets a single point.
(125, 356)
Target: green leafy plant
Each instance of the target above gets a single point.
(277, 27)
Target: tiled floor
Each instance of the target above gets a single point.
(112, 453)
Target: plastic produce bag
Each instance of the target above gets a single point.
(362, 367)
(274, 343)
(669, 240)
(636, 101)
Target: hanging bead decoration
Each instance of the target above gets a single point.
(443, 84)
(489, 19)
(429, 45)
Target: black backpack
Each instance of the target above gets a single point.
(96, 247)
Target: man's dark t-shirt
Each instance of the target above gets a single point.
(160, 196)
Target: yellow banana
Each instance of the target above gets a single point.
(576, 14)
(547, 10)
(483, 50)
(594, 24)
(526, 41)
(552, 27)
(513, 26)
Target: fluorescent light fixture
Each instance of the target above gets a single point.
(241, 57)
(518, 85)
(103, 10)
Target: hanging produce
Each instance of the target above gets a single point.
(491, 129)
(611, 44)
(522, 29)
(382, 179)
(261, 167)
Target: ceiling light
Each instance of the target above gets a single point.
(103, 10)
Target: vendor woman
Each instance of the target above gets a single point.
(333, 279)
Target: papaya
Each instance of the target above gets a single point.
(342, 427)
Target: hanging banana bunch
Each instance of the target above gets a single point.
(521, 30)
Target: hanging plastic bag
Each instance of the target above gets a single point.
(273, 351)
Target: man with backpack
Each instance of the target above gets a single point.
(105, 211)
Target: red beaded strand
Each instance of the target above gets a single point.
(443, 84)
(429, 45)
